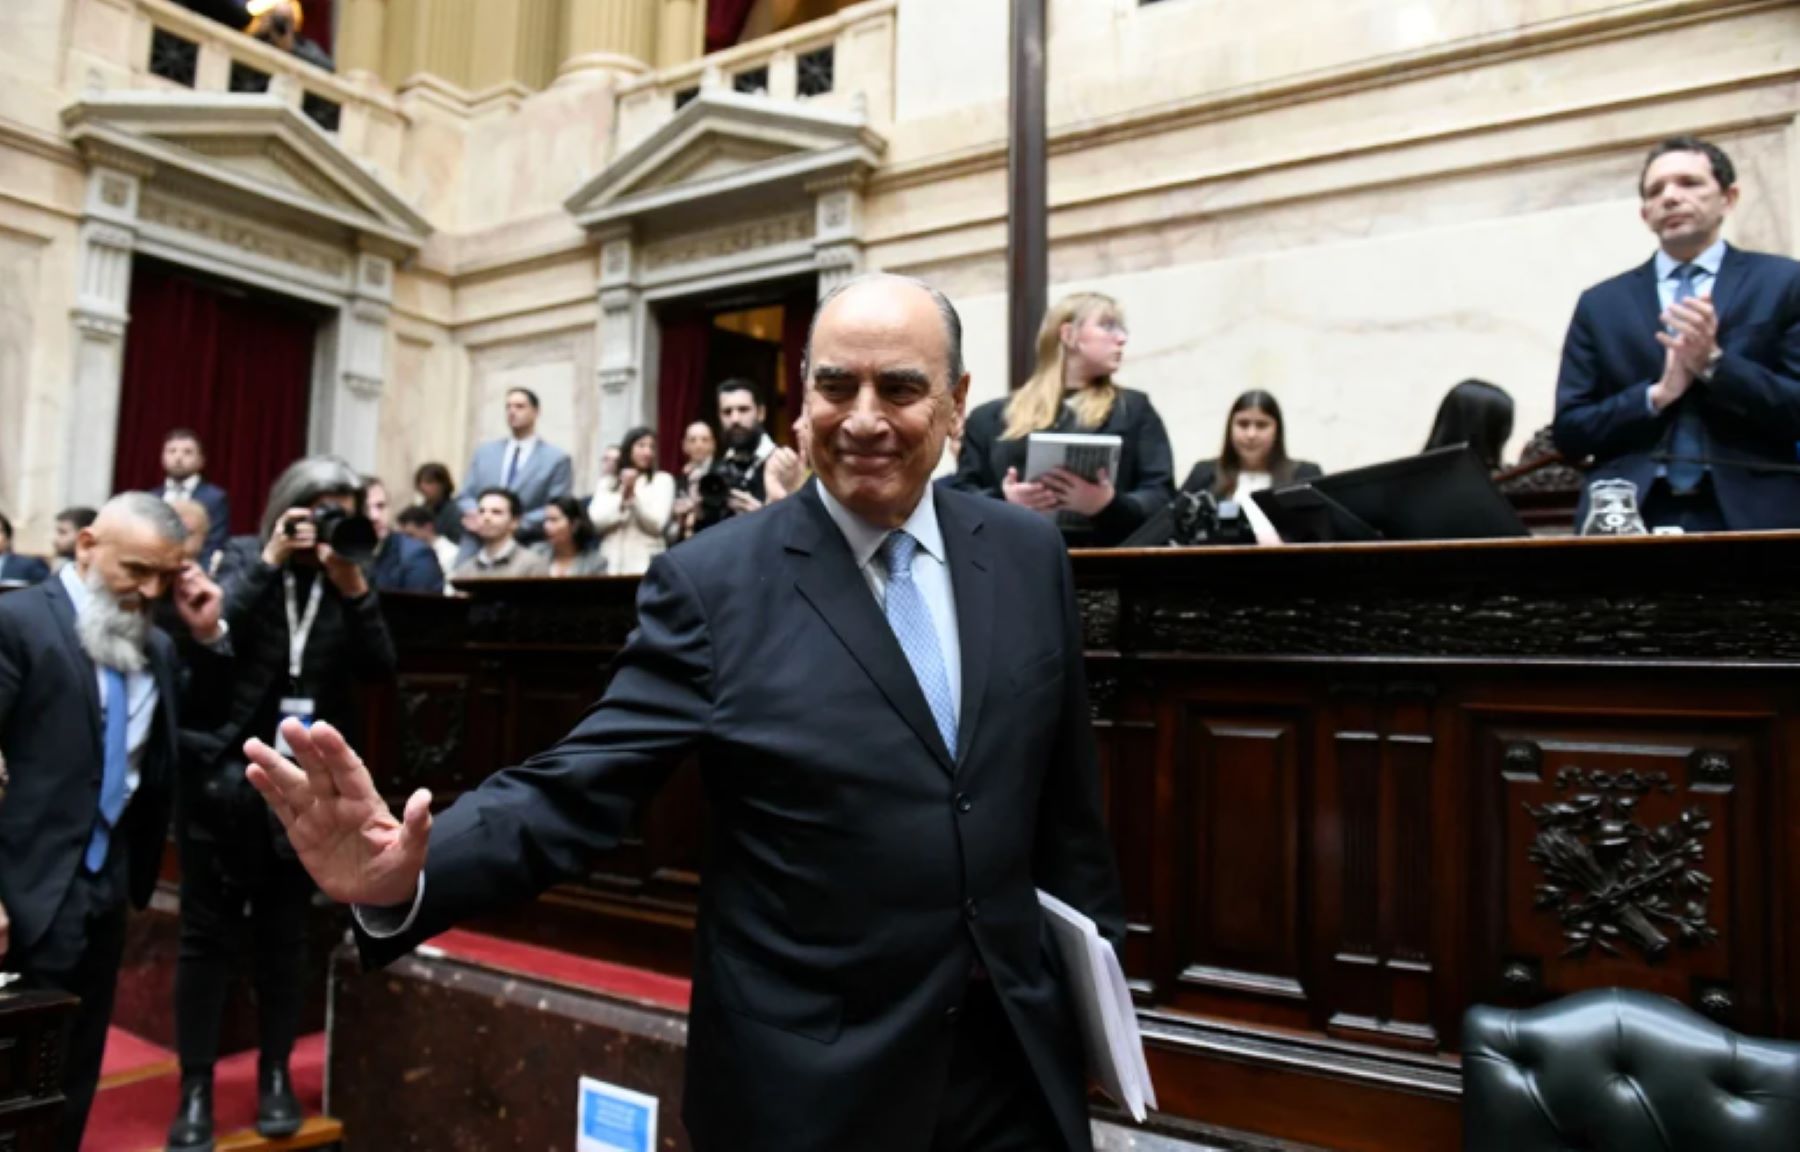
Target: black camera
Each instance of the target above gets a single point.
(348, 534)
(1202, 518)
(733, 472)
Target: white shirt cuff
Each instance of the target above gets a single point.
(380, 922)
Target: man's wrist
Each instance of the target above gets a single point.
(215, 635)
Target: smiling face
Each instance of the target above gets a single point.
(881, 401)
(1684, 204)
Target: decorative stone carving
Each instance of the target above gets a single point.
(723, 243)
(615, 256)
(834, 209)
(102, 327)
(375, 271)
(262, 243)
(114, 192)
(1612, 880)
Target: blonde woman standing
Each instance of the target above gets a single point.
(1079, 349)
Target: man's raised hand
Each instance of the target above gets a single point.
(337, 822)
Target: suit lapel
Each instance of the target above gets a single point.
(1643, 291)
(972, 579)
(829, 581)
(1727, 284)
(63, 609)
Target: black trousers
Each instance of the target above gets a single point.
(221, 897)
(79, 953)
(992, 1101)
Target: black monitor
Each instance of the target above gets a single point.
(1443, 494)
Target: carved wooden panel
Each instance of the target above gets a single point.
(1236, 860)
(1627, 852)
(1372, 866)
(1127, 743)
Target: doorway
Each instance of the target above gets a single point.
(757, 334)
(230, 363)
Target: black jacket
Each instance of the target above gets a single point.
(1206, 474)
(402, 564)
(50, 734)
(1144, 485)
(349, 643)
(858, 867)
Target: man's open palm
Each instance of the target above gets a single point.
(336, 820)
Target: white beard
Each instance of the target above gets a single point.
(112, 636)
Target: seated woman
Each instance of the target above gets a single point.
(437, 495)
(1478, 414)
(631, 508)
(1253, 457)
(571, 546)
(1079, 348)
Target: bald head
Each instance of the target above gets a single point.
(134, 548)
(885, 390)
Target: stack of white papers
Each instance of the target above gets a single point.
(1109, 1031)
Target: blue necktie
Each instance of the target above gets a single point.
(911, 622)
(512, 468)
(112, 778)
(1687, 439)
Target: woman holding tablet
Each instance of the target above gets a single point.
(1073, 390)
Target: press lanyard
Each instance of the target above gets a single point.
(300, 627)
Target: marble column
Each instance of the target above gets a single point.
(361, 32)
(624, 364)
(680, 32)
(352, 356)
(837, 229)
(100, 317)
(617, 36)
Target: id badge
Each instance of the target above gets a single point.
(301, 709)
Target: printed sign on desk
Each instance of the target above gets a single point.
(614, 1119)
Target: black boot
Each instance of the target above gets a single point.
(192, 1130)
(277, 1108)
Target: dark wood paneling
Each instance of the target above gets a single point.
(1329, 772)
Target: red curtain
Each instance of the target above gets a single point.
(725, 22)
(796, 318)
(234, 367)
(680, 383)
(316, 21)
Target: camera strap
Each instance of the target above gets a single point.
(300, 627)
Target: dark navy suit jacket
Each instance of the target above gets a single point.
(402, 564)
(1751, 408)
(858, 868)
(28, 569)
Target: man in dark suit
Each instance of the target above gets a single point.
(88, 727)
(182, 459)
(536, 470)
(401, 563)
(17, 569)
(873, 971)
(1682, 375)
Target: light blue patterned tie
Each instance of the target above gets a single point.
(112, 770)
(1687, 440)
(911, 622)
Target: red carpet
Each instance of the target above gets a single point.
(133, 1115)
(556, 967)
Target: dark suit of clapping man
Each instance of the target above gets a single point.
(884, 685)
(88, 725)
(1682, 375)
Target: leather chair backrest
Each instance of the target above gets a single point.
(1616, 1070)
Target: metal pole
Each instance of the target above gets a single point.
(1028, 241)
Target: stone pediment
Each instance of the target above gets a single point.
(726, 151)
(252, 153)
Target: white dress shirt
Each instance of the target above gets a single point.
(174, 490)
(140, 692)
(524, 448)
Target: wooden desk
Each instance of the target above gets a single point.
(31, 1057)
(1354, 790)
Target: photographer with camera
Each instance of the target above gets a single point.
(305, 625)
(734, 484)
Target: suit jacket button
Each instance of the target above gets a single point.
(971, 909)
(951, 1013)
(963, 803)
